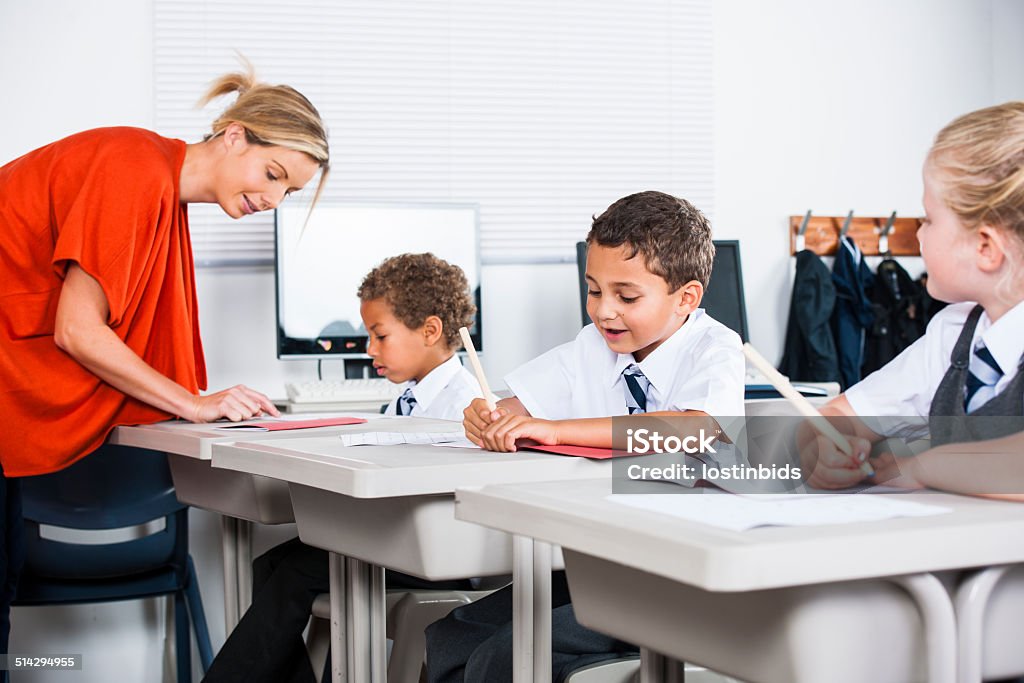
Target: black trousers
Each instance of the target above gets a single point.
(473, 644)
(267, 645)
(13, 557)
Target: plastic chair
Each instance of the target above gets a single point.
(409, 612)
(114, 487)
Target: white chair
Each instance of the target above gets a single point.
(989, 606)
(627, 670)
(408, 615)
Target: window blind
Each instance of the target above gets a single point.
(542, 113)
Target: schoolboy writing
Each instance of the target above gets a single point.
(412, 307)
(965, 371)
(650, 350)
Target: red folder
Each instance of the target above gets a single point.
(280, 425)
(578, 451)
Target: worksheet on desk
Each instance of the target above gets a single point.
(739, 513)
(450, 439)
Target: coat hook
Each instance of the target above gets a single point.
(846, 225)
(799, 242)
(883, 237)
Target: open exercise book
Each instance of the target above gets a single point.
(741, 504)
(741, 512)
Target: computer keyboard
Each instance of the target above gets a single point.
(342, 391)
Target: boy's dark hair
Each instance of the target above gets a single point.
(671, 234)
(417, 286)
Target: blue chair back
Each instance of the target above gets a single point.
(113, 487)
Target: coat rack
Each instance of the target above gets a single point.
(875, 235)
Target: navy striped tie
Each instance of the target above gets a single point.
(982, 376)
(406, 402)
(636, 389)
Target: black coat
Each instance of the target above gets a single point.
(899, 315)
(810, 351)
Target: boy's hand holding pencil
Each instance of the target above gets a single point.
(478, 416)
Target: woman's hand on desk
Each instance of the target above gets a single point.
(236, 404)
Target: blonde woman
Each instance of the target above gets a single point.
(98, 320)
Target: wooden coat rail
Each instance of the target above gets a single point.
(822, 234)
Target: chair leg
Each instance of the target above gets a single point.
(182, 643)
(195, 608)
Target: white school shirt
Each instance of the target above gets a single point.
(700, 367)
(443, 394)
(903, 389)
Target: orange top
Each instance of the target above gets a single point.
(108, 200)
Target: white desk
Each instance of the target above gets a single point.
(390, 506)
(704, 594)
(240, 498)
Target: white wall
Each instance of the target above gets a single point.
(832, 107)
(823, 106)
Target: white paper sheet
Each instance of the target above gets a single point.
(739, 513)
(397, 438)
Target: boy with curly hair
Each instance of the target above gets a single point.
(412, 307)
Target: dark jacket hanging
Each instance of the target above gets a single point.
(853, 281)
(810, 352)
(899, 315)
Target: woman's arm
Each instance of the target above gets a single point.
(82, 332)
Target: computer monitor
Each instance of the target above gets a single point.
(723, 299)
(320, 265)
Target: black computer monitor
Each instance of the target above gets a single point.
(723, 299)
(320, 264)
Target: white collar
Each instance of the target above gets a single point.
(1004, 338)
(428, 389)
(661, 366)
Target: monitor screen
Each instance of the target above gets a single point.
(320, 265)
(723, 299)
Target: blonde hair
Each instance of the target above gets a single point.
(271, 115)
(980, 161)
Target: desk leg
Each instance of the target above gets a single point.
(652, 666)
(357, 617)
(244, 558)
(339, 640)
(378, 625)
(939, 623)
(971, 600)
(541, 612)
(229, 547)
(522, 609)
(675, 671)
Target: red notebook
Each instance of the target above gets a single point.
(578, 451)
(280, 425)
